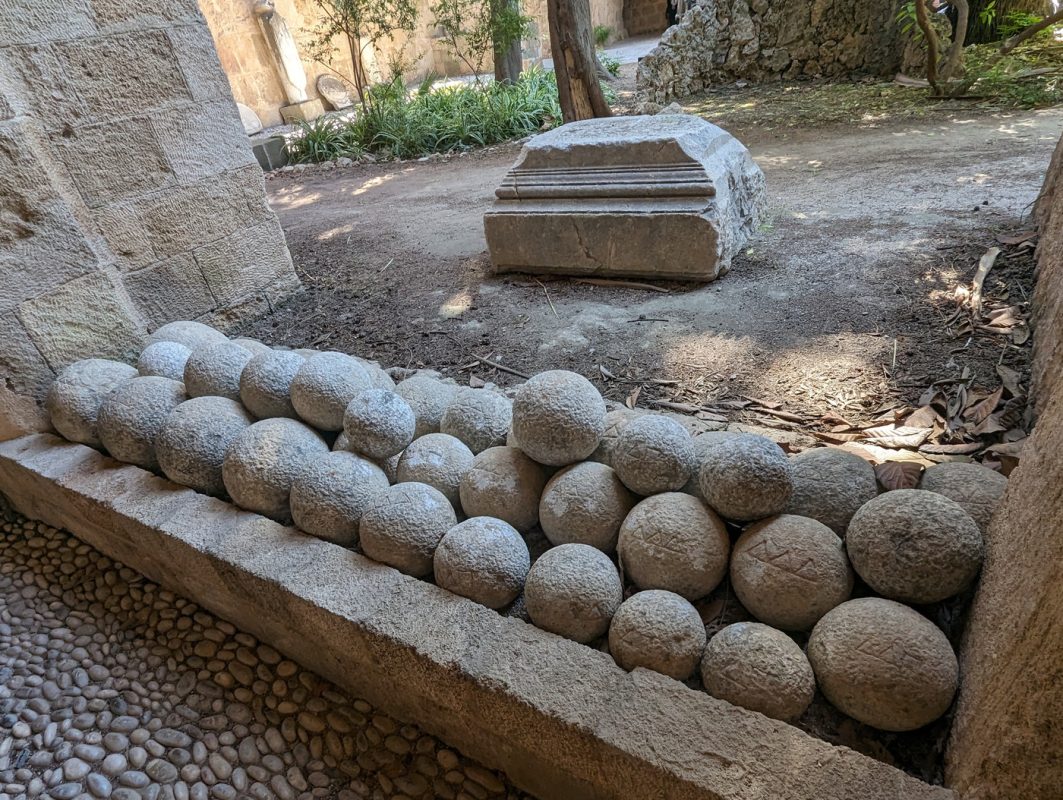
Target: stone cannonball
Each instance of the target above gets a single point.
(192, 442)
(702, 443)
(506, 484)
(133, 414)
(653, 454)
(615, 422)
(164, 360)
(378, 423)
(323, 386)
(264, 460)
(558, 417)
(573, 590)
(657, 630)
(78, 391)
(253, 345)
(585, 504)
(789, 571)
(429, 398)
(380, 379)
(190, 334)
(914, 546)
(438, 460)
(266, 384)
(830, 485)
(745, 477)
(978, 490)
(760, 668)
(675, 542)
(484, 559)
(402, 526)
(214, 370)
(884, 664)
(331, 492)
(478, 417)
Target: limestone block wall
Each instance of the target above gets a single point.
(725, 40)
(645, 16)
(128, 192)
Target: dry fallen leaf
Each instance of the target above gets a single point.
(633, 397)
(898, 475)
(609, 376)
(924, 417)
(950, 449)
(1010, 378)
(476, 383)
(1016, 238)
(981, 410)
(897, 438)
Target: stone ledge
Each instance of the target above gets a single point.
(562, 720)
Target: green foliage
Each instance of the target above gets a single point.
(1018, 21)
(1028, 77)
(323, 139)
(906, 15)
(612, 65)
(473, 28)
(602, 34)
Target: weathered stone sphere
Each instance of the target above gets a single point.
(266, 383)
(478, 417)
(615, 422)
(760, 668)
(702, 443)
(573, 590)
(77, 393)
(190, 334)
(506, 484)
(214, 370)
(264, 460)
(675, 542)
(884, 664)
(585, 504)
(390, 465)
(653, 454)
(429, 398)
(830, 485)
(976, 489)
(789, 571)
(745, 477)
(253, 345)
(914, 546)
(402, 526)
(331, 492)
(133, 414)
(192, 443)
(657, 630)
(378, 423)
(438, 460)
(484, 559)
(558, 417)
(323, 386)
(164, 360)
(380, 379)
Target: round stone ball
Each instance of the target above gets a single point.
(760, 668)
(378, 423)
(978, 490)
(615, 422)
(214, 370)
(133, 414)
(429, 398)
(745, 477)
(380, 379)
(675, 542)
(390, 465)
(331, 492)
(653, 454)
(254, 346)
(323, 387)
(830, 485)
(266, 383)
(573, 590)
(193, 440)
(190, 334)
(78, 391)
(484, 559)
(585, 504)
(265, 459)
(915, 546)
(789, 571)
(506, 484)
(558, 417)
(883, 664)
(478, 417)
(657, 630)
(402, 526)
(702, 443)
(438, 460)
(164, 360)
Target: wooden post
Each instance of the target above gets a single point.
(575, 66)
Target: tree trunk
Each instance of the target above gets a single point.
(510, 62)
(575, 66)
(979, 32)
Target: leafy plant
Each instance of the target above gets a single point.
(602, 34)
(1018, 21)
(612, 65)
(473, 28)
(323, 139)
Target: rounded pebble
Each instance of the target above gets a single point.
(978, 490)
(745, 477)
(830, 485)
(190, 334)
(429, 398)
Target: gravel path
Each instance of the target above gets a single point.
(111, 686)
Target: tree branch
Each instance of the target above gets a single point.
(1020, 37)
(923, 19)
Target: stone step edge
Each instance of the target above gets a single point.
(562, 720)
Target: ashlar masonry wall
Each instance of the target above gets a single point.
(129, 195)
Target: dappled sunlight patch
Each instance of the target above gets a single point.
(456, 305)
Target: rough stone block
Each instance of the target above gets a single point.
(247, 262)
(114, 16)
(302, 112)
(203, 139)
(44, 21)
(198, 58)
(125, 234)
(174, 288)
(26, 381)
(668, 196)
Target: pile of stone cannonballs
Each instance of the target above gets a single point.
(606, 527)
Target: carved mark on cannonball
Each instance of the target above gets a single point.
(893, 653)
(664, 540)
(781, 557)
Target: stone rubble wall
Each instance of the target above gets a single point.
(130, 194)
(720, 41)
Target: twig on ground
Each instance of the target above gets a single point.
(501, 367)
(622, 284)
(548, 300)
